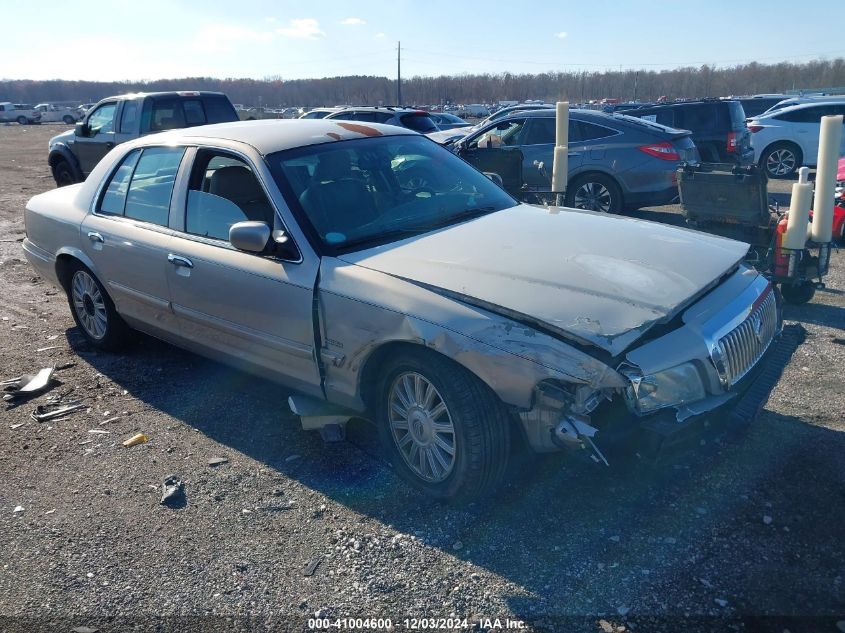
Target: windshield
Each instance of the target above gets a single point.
(358, 193)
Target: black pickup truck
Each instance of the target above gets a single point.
(73, 154)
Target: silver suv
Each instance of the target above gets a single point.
(411, 118)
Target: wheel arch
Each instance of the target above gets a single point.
(62, 152)
(66, 259)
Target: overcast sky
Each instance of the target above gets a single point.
(151, 39)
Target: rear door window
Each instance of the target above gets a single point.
(148, 198)
(592, 132)
(541, 131)
(129, 117)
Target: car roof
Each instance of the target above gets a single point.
(167, 93)
(799, 106)
(275, 135)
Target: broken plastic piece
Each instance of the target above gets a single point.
(28, 384)
(172, 488)
(140, 438)
(218, 461)
(51, 411)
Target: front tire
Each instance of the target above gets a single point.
(781, 160)
(94, 312)
(69, 120)
(444, 430)
(22, 120)
(63, 173)
(594, 192)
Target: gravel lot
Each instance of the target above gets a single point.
(744, 533)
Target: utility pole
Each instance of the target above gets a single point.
(636, 78)
(399, 73)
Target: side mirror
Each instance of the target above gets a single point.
(251, 237)
(81, 129)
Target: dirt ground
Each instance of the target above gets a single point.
(744, 533)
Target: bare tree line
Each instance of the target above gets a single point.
(581, 86)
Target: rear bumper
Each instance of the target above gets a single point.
(42, 261)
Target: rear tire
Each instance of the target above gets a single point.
(93, 310)
(445, 432)
(781, 160)
(594, 192)
(22, 120)
(69, 120)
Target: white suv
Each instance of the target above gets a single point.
(786, 139)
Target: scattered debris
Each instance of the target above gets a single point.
(218, 461)
(15, 426)
(100, 431)
(84, 629)
(614, 538)
(110, 420)
(49, 512)
(17, 510)
(140, 438)
(172, 490)
(47, 349)
(27, 384)
(623, 611)
(767, 519)
(721, 602)
(312, 565)
(52, 411)
(292, 458)
(457, 545)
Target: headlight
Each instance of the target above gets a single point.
(670, 387)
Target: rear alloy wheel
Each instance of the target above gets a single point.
(781, 160)
(94, 311)
(594, 192)
(445, 432)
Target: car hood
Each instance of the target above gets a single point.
(596, 279)
(64, 137)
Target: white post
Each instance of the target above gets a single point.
(829, 139)
(560, 164)
(799, 212)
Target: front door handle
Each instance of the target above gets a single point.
(95, 237)
(178, 260)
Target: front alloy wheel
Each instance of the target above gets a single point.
(421, 427)
(781, 161)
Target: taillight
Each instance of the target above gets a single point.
(731, 142)
(754, 128)
(663, 151)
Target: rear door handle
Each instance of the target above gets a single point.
(178, 260)
(95, 237)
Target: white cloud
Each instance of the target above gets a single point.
(561, 35)
(303, 29)
(380, 35)
(353, 22)
(221, 38)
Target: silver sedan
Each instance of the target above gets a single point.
(378, 275)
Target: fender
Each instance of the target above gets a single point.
(76, 253)
(61, 150)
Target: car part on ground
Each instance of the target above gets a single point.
(366, 298)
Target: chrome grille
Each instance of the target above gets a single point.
(740, 349)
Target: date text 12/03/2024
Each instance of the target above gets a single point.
(416, 624)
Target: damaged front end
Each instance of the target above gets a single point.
(672, 379)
